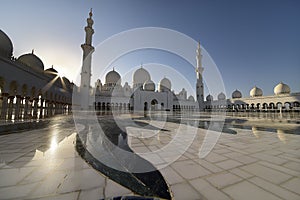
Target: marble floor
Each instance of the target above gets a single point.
(252, 164)
(43, 164)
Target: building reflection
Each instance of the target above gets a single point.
(282, 136)
(256, 132)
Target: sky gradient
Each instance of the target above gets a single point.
(252, 42)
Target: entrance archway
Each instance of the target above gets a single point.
(154, 104)
(145, 106)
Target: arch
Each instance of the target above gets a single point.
(154, 104)
(2, 84)
(243, 106)
(272, 105)
(265, 106)
(258, 106)
(287, 105)
(279, 105)
(13, 88)
(32, 92)
(162, 105)
(296, 104)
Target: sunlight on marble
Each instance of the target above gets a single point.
(282, 136)
(53, 145)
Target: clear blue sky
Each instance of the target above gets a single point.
(252, 42)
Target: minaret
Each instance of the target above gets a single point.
(199, 84)
(86, 74)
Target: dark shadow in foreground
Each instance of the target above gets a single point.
(151, 184)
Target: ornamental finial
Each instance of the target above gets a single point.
(91, 13)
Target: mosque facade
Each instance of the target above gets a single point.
(282, 100)
(143, 95)
(28, 90)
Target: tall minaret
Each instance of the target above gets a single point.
(199, 84)
(86, 74)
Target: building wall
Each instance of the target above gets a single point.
(260, 103)
(26, 93)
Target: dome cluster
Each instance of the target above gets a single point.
(6, 46)
(236, 94)
(113, 78)
(279, 89)
(164, 85)
(221, 96)
(149, 86)
(209, 98)
(140, 76)
(141, 79)
(32, 61)
(29, 60)
(282, 88)
(256, 92)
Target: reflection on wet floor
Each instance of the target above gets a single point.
(43, 163)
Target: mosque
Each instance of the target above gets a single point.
(282, 100)
(27, 89)
(143, 96)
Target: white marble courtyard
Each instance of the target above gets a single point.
(252, 164)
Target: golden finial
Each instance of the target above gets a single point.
(91, 13)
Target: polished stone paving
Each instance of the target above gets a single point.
(43, 164)
(252, 164)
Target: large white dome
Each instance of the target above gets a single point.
(209, 98)
(149, 86)
(6, 46)
(221, 96)
(236, 94)
(282, 88)
(191, 98)
(113, 77)
(256, 92)
(164, 84)
(32, 61)
(140, 76)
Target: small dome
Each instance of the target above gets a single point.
(149, 86)
(140, 76)
(32, 61)
(164, 84)
(112, 77)
(221, 96)
(256, 92)
(282, 88)
(51, 71)
(209, 98)
(191, 98)
(66, 80)
(236, 94)
(6, 46)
